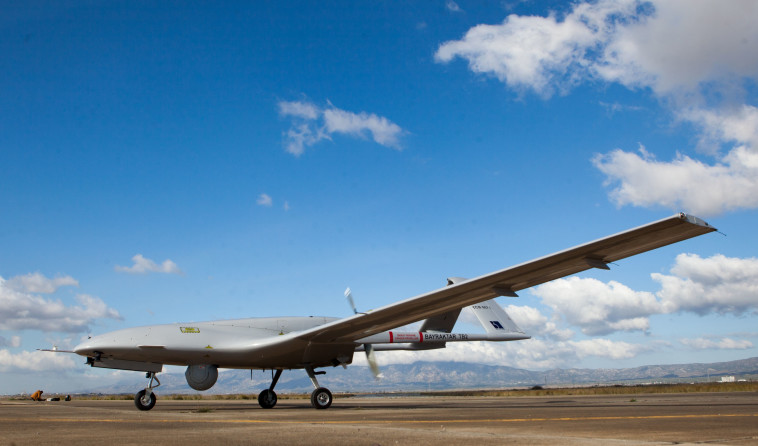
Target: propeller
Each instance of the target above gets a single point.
(349, 296)
(368, 348)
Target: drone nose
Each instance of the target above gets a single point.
(84, 349)
(90, 347)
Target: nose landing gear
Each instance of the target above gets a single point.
(145, 399)
(267, 397)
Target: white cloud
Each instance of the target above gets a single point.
(37, 283)
(598, 307)
(451, 6)
(721, 39)
(539, 53)
(144, 265)
(264, 200)
(640, 45)
(683, 184)
(626, 41)
(311, 124)
(720, 344)
(26, 311)
(35, 361)
(738, 125)
(530, 354)
(605, 348)
(382, 130)
(534, 323)
(299, 109)
(615, 107)
(717, 284)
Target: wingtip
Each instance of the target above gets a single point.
(689, 218)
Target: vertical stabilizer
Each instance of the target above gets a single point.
(493, 318)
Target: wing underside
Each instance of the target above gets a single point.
(595, 254)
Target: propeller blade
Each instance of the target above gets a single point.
(371, 357)
(349, 296)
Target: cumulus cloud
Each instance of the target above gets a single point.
(683, 183)
(35, 361)
(550, 346)
(637, 44)
(737, 125)
(650, 51)
(717, 284)
(688, 184)
(144, 265)
(311, 124)
(26, 311)
(540, 53)
(703, 78)
(598, 307)
(531, 354)
(37, 283)
(718, 344)
(533, 322)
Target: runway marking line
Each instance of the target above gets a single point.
(491, 420)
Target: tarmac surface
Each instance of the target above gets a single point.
(711, 418)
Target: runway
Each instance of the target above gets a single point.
(713, 418)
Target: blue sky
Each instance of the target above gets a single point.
(191, 161)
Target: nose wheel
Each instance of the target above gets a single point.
(267, 397)
(145, 399)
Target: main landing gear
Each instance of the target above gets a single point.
(145, 399)
(321, 398)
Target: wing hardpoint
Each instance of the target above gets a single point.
(596, 254)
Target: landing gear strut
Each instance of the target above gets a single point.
(145, 399)
(321, 398)
(267, 397)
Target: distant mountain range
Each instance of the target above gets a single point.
(421, 376)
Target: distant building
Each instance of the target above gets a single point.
(727, 379)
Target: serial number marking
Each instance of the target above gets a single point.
(444, 336)
(189, 329)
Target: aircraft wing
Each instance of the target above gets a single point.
(596, 254)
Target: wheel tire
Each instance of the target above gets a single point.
(321, 398)
(142, 402)
(267, 398)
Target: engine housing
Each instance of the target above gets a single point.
(201, 376)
